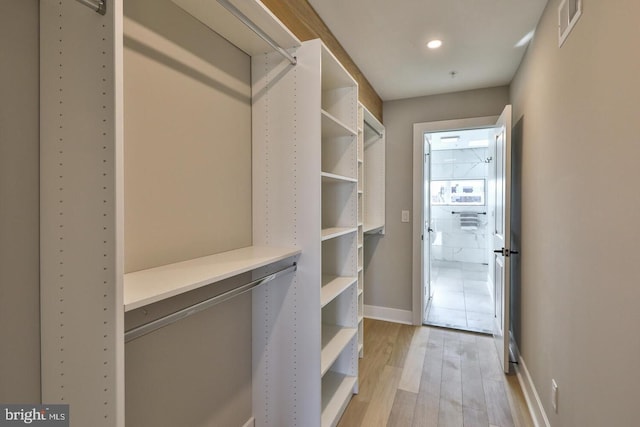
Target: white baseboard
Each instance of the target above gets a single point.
(388, 314)
(250, 423)
(534, 403)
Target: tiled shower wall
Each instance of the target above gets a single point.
(449, 241)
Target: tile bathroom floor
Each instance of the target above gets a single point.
(461, 298)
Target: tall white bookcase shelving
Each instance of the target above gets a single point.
(307, 177)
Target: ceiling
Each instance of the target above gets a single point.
(483, 41)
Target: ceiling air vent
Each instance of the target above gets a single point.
(568, 14)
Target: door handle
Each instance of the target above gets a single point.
(430, 229)
(505, 252)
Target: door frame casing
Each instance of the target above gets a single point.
(419, 129)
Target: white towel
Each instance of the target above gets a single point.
(469, 221)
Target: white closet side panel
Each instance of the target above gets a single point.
(81, 217)
(286, 211)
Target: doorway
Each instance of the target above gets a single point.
(497, 201)
(457, 205)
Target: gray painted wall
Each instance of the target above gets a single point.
(19, 203)
(579, 107)
(388, 265)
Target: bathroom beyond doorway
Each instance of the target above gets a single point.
(458, 187)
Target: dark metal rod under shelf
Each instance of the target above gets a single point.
(99, 6)
(370, 126)
(253, 27)
(456, 213)
(203, 305)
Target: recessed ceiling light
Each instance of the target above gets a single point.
(434, 44)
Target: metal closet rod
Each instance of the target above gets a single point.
(99, 6)
(377, 132)
(203, 305)
(264, 36)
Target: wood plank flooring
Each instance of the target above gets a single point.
(429, 377)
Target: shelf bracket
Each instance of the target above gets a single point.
(376, 131)
(253, 27)
(99, 6)
(134, 333)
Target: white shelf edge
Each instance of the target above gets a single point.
(333, 232)
(360, 291)
(337, 390)
(146, 287)
(334, 340)
(360, 161)
(332, 286)
(332, 177)
(332, 119)
(360, 268)
(360, 319)
(373, 228)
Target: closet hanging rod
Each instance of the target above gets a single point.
(253, 27)
(377, 132)
(203, 305)
(99, 6)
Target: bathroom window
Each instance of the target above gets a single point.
(459, 192)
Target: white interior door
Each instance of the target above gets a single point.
(426, 221)
(500, 223)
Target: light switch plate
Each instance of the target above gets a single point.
(405, 216)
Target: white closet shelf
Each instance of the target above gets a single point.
(333, 178)
(360, 161)
(155, 284)
(359, 291)
(332, 286)
(333, 128)
(215, 16)
(334, 75)
(333, 232)
(336, 392)
(334, 340)
(360, 319)
(373, 228)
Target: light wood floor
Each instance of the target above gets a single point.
(423, 376)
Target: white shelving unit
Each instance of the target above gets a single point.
(85, 292)
(306, 178)
(374, 174)
(339, 358)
